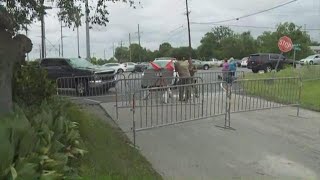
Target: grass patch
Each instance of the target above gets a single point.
(285, 90)
(109, 154)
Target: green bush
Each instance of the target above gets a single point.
(39, 143)
(30, 85)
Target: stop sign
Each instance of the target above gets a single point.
(285, 44)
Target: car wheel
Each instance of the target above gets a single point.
(82, 88)
(205, 67)
(311, 62)
(255, 70)
(268, 69)
(120, 71)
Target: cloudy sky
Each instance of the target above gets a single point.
(165, 21)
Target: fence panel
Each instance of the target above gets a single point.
(249, 95)
(86, 86)
(215, 76)
(163, 106)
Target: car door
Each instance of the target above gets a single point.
(317, 59)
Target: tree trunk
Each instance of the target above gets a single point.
(5, 90)
(7, 59)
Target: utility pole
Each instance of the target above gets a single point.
(61, 39)
(113, 50)
(130, 47)
(59, 51)
(27, 36)
(189, 34)
(78, 42)
(43, 33)
(40, 51)
(139, 42)
(87, 30)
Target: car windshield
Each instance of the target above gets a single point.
(110, 65)
(80, 63)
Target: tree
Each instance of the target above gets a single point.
(268, 41)
(112, 60)
(122, 54)
(136, 52)
(165, 49)
(211, 46)
(16, 15)
(182, 53)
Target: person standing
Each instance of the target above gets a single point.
(182, 67)
(225, 70)
(193, 70)
(232, 67)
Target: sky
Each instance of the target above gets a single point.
(165, 21)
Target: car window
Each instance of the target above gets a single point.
(274, 56)
(254, 57)
(316, 57)
(54, 62)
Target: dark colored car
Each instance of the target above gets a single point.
(267, 62)
(78, 74)
(140, 67)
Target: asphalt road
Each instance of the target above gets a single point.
(267, 144)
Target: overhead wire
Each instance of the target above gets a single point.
(247, 15)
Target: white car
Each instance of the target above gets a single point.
(129, 66)
(244, 62)
(119, 68)
(217, 62)
(313, 59)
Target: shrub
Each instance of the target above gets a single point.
(40, 143)
(31, 86)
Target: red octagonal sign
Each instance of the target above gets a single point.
(285, 44)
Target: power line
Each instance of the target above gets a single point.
(245, 16)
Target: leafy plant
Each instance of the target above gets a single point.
(31, 86)
(39, 145)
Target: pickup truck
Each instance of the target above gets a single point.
(79, 75)
(206, 65)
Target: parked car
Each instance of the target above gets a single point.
(217, 63)
(244, 62)
(238, 61)
(206, 65)
(129, 66)
(267, 62)
(313, 59)
(152, 78)
(140, 67)
(78, 74)
(119, 68)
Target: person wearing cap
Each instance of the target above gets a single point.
(182, 67)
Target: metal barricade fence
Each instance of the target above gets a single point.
(249, 95)
(310, 72)
(157, 107)
(127, 87)
(214, 76)
(86, 86)
(135, 75)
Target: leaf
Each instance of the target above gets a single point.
(50, 175)
(13, 173)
